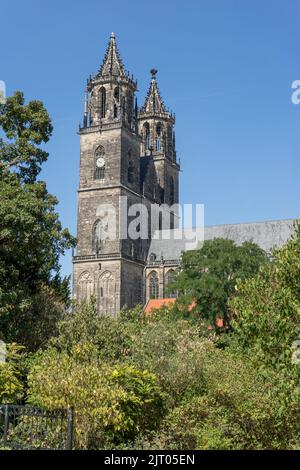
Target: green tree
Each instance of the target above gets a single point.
(266, 309)
(32, 238)
(208, 276)
(25, 128)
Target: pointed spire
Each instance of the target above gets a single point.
(112, 64)
(154, 102)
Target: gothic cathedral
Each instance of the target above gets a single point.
(126, 153)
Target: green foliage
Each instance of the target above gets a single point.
(237, 408)
(11, 385)
(31, 242)
(208, 276)
(108, 336)
(266, 310)
(32, 238)
(112, 403)
(25, 128)
(210, 397)
(164, 381)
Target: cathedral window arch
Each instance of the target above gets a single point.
(153, 285)
(169, 141)
(106, 293)
(117, 94)
(146, 135)
(98, 236)
(100, 163)
(102, 102)
(85, 286)
(172, 190)
(130, 168)
(169, 278)
(129, 107)
(158, 137)
(115, 111)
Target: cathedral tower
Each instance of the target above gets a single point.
(109, 268)
(156, 124)
(125, 154)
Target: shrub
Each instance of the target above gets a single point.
(112, 403)
(238, 408)
(266, 310)
(11, 386)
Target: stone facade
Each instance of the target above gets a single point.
(127, 152)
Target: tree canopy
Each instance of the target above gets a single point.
(208, 277)
(26, 127)
(32, 238)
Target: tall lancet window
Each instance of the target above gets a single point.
(130, 169)
(100, 163)
(102, 102)
(129, 107)
(169, 278)
(98, 236)
(116, 101)
(153, 285)
(146, 134)
(158, 137)
(117, 94)
(172, 192)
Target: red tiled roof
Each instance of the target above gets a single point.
(154, 304)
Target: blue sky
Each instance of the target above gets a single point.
(225, 67)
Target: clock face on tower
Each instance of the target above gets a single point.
(100, 162)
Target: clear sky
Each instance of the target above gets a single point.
(225, 67)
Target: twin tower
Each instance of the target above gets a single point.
(125, 152)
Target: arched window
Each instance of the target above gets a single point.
(102, 102)
(115, 111)
(160, 221)
(129, 107)
(169, 278)
(130, 168)
(98, 238)
(158, 137)
(106, 293)
(85, 287)
(153, 285)
(146, 135)
(171, 189)
(169, 141)
(100, 163)
(117, 94)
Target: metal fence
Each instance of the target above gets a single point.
(27, 427)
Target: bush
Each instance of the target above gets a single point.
(112, 403)
(11, 386)
(238, 408)
(266, 310)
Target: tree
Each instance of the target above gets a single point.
(25, 128)
(266, 310)
(32, 238)
(208, 276)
